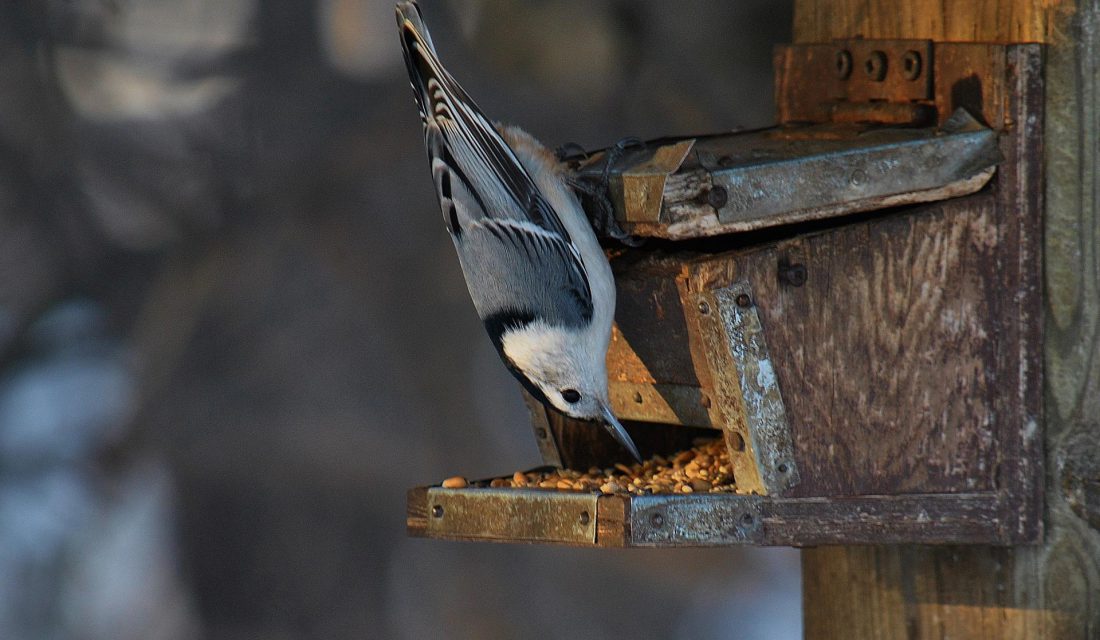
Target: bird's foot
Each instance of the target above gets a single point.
(594, 193)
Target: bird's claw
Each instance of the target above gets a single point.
(594, 191)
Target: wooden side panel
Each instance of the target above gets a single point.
(1020, 197)
(887, 355)
(649, 343)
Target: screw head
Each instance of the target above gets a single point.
(911, 65)
(792, 274)
(585, 518)
(843, 64)
(638, 397)
(704, 307)
(540, 433)
(717, 197)
(746, 520)
(437, 511)
(782, 468)
(657, 520)
(875, 66)
(743, 300)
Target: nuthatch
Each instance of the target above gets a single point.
(537, 275)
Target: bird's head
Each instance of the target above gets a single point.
(565, 368)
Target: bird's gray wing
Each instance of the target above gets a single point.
(518, 272)
(494, 211)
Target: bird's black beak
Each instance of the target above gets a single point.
(617, 430)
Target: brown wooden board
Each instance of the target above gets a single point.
(887, 356)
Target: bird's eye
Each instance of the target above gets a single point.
(572, 396)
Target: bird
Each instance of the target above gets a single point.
(536, 273)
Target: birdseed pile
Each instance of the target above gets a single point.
(705, 468)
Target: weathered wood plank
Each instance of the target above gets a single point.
(969, 21)
(888, 354)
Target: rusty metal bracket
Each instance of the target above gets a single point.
(749, 399)
(661, 520)
(886, 81)
(515, 515)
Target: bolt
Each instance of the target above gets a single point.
(782, 468)
(911, 65)
(843, 64)
(638, 397)
(704, 308)
(437, 511)
(717, 197)
(743, 300)
(584, 518)
(858, 178)
(792, 274)
(875, 66)
(657, 520)
(746, 520)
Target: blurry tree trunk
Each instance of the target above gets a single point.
(1050, 591)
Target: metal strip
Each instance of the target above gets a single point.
(877, 164)
(544, 435)
(641, 187)
(513, 515)
(716, 519)
(769, 431)
(770, 177)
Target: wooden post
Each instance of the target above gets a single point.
(1052, 590)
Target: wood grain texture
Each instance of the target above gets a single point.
(888, 355)
(1050, 591)
(958, 21)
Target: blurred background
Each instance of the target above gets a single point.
(233, 330)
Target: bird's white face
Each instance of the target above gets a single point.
(569, 367)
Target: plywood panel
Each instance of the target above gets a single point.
(887, 355)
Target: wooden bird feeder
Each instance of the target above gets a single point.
(851, 300)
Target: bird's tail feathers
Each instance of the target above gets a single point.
(421, 58)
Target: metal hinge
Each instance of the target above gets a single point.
(881, 81)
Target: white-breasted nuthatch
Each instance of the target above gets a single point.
(537, 275)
